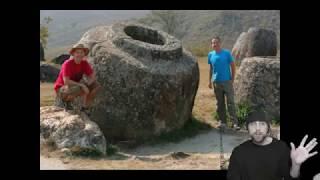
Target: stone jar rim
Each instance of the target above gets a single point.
(143, 41)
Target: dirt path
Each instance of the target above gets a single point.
(205, 143)
(51, 163)
(203, 150)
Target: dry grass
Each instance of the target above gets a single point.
(205, 102)
(195, 161)
(47, 94)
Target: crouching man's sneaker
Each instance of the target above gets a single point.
(67, 106)
(85, 110)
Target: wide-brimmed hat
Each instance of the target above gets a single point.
(79, 46)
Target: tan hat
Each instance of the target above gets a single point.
(79, 46)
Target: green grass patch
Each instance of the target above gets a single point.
(275, 121)
(50, 144)
(242, 110)
(85, 152)
(190, 129)
(77, 151)
(112, 150)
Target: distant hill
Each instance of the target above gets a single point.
(196, 28)
(68, 26)
(193, 27)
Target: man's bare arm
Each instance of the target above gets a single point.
(68, 81)
(71, 82)
(91, 78)
(210, 76)
(233, 70)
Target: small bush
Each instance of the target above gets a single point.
(190, 129)
(238, 63)
(111, 150)
(50, 144)
(276, 121)
(243, 109)
(215, 115)
(85, 152)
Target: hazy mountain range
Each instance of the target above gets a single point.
(195, 27)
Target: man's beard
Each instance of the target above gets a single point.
(259, 139)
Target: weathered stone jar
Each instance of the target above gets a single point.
(257, 82)
(149, 81)
(255, 42)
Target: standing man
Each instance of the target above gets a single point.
(221, 75)
(266, 158)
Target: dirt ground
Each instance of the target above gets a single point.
(202, 150)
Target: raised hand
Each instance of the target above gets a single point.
(302, 153)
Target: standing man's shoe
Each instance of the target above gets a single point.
(236, 127)
(222, 126)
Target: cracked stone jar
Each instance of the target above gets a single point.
(149, 81)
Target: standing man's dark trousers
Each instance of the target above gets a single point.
(224, 90)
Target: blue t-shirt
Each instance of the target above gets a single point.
(220, 63)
